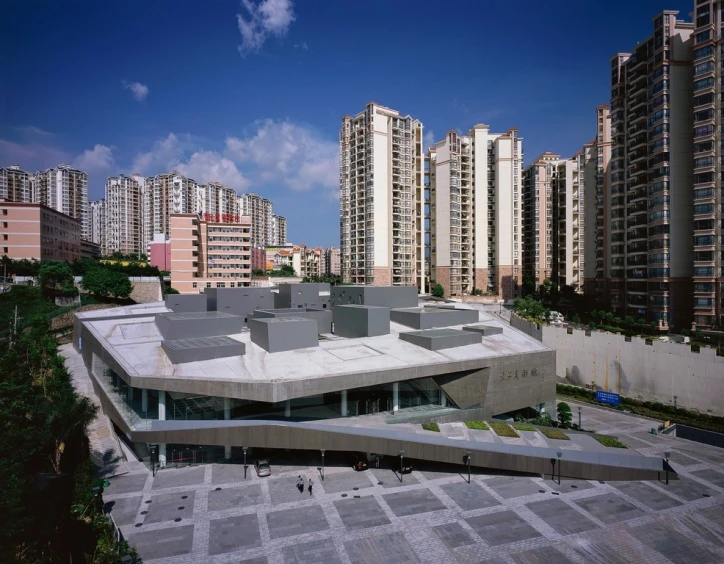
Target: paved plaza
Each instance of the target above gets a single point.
(212, 514)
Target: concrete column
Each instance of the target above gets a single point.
(144, 400)
(162, 407)
(288, 408)
(443, 399)
(344, 403)
(162, 454)
(129, 394)
(395, 397)
(227, 416)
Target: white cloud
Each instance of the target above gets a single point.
(203, 166)
(263, 19)
(32, 131)
(303, 46)
(428, 140)
(290, 153)
(140, 91)
(99, 157)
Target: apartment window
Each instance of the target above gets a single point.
(208, 284)
(703, 83)
(703, 36)
(5, 212)
(194, 284)
(5, 250)
(703, 52)
(5, 236)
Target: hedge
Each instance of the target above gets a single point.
(431, 427)
(478, 425)
(502, 429)
(612, 442)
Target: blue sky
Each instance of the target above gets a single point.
(250, 93)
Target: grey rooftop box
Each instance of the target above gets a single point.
(205, 348)
(174, 326)
(277, 334)
(380, 296)
(323, 317)
(484, 330)
(437, 339)
(239, 301)
(354, 321)
(184, 303)
(313, 295)
(429, 317)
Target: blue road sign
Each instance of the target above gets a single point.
(608, 397)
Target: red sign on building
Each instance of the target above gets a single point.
(221, 218)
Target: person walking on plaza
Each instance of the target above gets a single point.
(310, 486)
(300, 484)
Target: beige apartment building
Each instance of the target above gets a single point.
(279, 230)
(34, 231)
(218, 199)
(259, 209)
(569, 222)
(473, 213)
(332, 262)
(652, 212)
(209, 254)
(124, 215)
(15, 184)
(97, 217)
(64, 189)
(382, 199)
(597, 202)
(708, 156)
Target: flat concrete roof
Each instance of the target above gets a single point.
(135, 343)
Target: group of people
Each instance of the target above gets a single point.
(300, 485)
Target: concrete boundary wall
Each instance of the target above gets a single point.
(656, 372)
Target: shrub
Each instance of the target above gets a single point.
(438, 291)
(478, 425)
(523, 427)
(555, 434)
(609, 441)
(502, 429)
(431, 427)
(564, 414)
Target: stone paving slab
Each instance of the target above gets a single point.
(704, 528)
(391, 479)
(361, 513)
(633, 442)
(230, 473)
(686, 488)
(297, 521)
(345, 481)
(651, 497)
(233, 498)
(124, 510)
(673, 545)
(413, 502)
(392, 547)
(543, 555)
(502, 527)
(561, 517)
(230, 534)
(163, 543)
(283, 489)
(509, 487)
(314, 552)
(676, 458)
(469, 496)
(711, 476)
(179, 477)
(169, 507)
(453, 535)
(568, 485)
(609, 508)
(128, 483)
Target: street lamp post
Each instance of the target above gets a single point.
(675, 404)
(244, 450)
(402, 462)
(322, 450)
(579, 418)
(667, 454)
(469, 461)
(559, 454)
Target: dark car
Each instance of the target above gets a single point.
(359, 463)
(406, 469)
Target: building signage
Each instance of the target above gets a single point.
(523, 374)
(608, 397)
(221, 217)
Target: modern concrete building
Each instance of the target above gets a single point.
(36, 232)
(209, 254)
(597, 200)
(279, 231)
(652, 212)
(15, 184)
(259, 209)
(708, 210)
(472, 215)
(381, 198)
(125, 228)
(64, 189)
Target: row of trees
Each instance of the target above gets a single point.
(78, 267)
(101, 280)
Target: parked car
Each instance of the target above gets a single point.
(359, 463)
(406, 469)
(262, 468)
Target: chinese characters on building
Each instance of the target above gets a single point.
(523, 374)
(221, 217)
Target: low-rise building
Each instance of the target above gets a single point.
(210, 254)
(159, 252)
(36, 232)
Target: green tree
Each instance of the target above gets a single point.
(564, 414)
(104, 282)
(170, 290)
(56, 279)
(258, 272)
(438, 291)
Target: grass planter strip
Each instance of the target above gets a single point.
(477, 425)
(554, 434)
(612, 442)
(523, 427)
(431, 427)
(503, 429)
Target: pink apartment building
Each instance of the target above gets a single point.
(210, 254)
(159, 251)
(35, 232)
